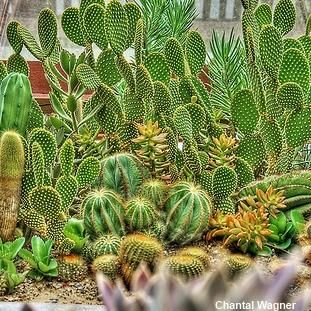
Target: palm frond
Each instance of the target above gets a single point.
(180, 16)
(227, 70)
(165, 19)
(156, 30)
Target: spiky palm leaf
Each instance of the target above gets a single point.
(165, 19)
(227, 70)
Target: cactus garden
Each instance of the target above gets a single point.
(165, 156)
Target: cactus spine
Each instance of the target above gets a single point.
(11, 171)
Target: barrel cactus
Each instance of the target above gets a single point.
(103, 213)
(122, 173)
(140, 214)
(136, 248)
(11, 171)
(184, 266)
(188, 208)
(154, 190)
(71, 268)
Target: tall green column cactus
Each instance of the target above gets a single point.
(12, 161)
(15, 102)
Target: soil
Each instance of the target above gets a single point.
(85, 292)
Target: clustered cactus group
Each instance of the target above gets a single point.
(144, 162)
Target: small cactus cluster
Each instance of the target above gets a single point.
(249, 229)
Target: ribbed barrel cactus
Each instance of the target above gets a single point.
(187, 210)
(103, 212)
(122, 173)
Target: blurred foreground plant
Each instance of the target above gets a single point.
(162, 291)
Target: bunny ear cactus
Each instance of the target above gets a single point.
(12, 160)
(263, 15)
(13, 36)
(94, 23)
(116, 26)
(244, 111)
(87, 171)
(284, 16)
(47, 32)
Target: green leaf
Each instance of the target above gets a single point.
(38, 248)
(15, 247)
(274, 229)
(43, 267)
(284, 245)
(297, 220)
(265, 252)
(27, 256)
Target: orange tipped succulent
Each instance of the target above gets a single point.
(247, 230)
(271, 200)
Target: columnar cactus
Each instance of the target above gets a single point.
(12, 160)
(15, 103)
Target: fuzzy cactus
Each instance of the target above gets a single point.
(103, 212)
(12, 160)
(187, 208)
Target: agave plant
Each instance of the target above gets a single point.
(212, 291)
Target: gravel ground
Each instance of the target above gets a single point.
(85, 292)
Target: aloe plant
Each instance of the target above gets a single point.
(75, 231)
(43, 265)
(9, 251)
